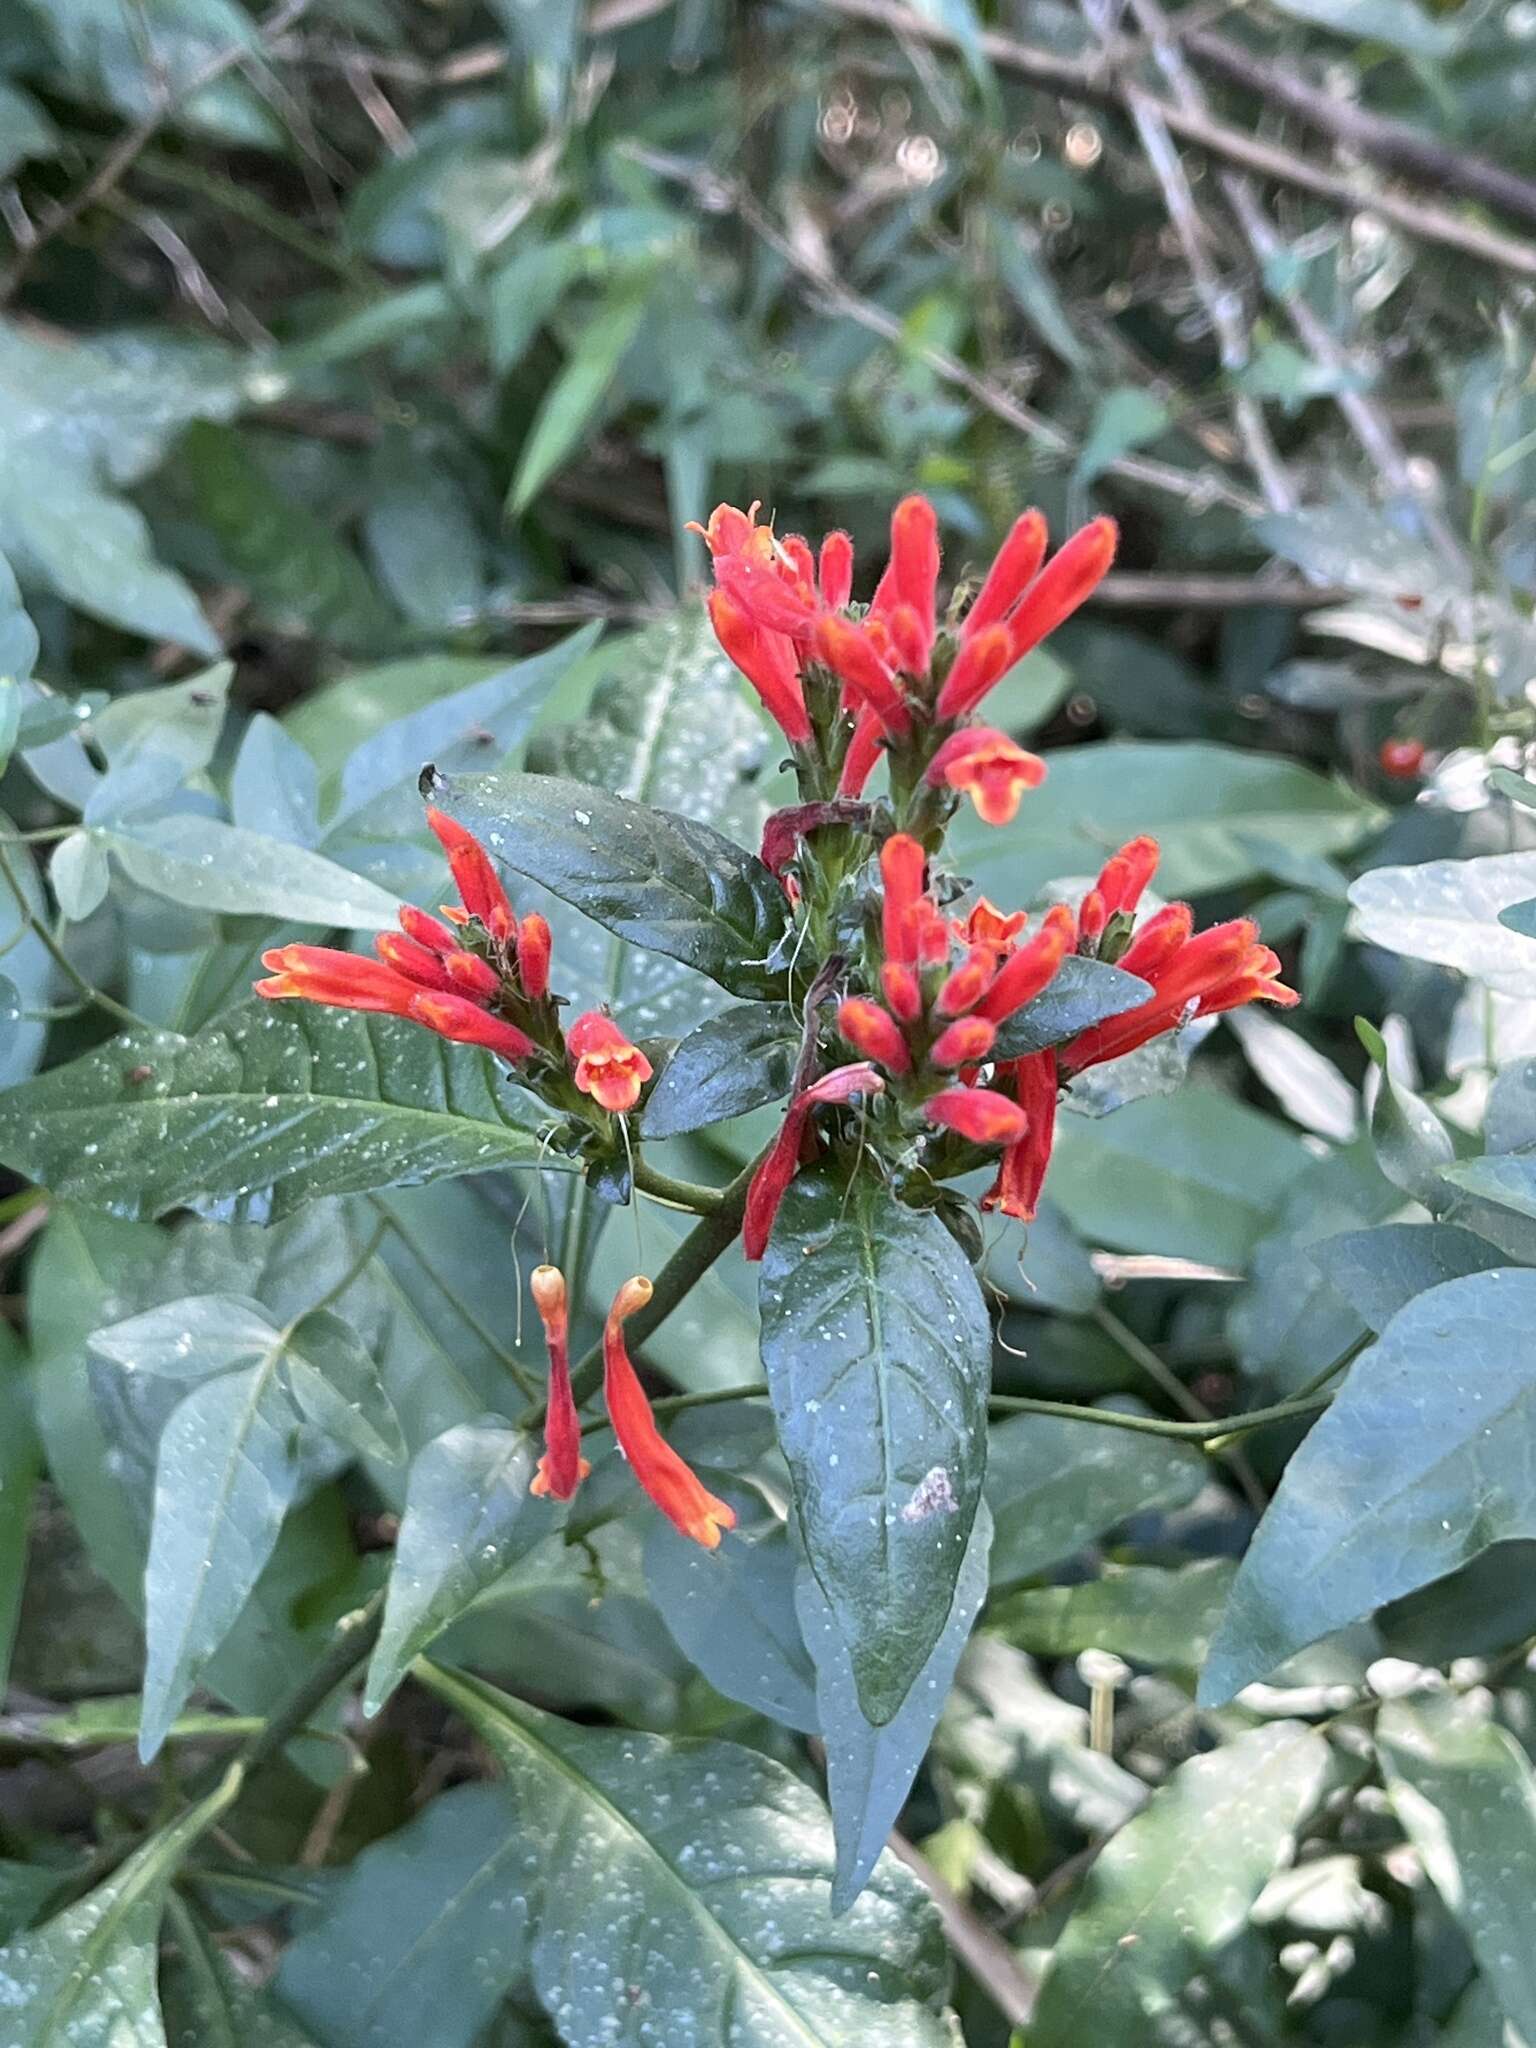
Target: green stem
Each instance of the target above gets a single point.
(356, 1634)
(674, 1404)
(687, 1266)
(62, 960)
(1212, 1433)
(1141, 1353)
(682, 1194)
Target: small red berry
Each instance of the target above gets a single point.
(1402, 759)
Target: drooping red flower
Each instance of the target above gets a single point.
(667, 1478)
(768, 662)
(990, 768)
(782, 1159)
(475, 877)
(562, 1468)
(1021, 1172)
(607, 1066)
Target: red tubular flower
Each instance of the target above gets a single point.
(903, 867)
(767, 660)
(980, 1114)
(991, 768)
(1028, 970)
(1092, 916)
(1021, 1173)
(421, 964)
(425, 930)
(534, 946)
(1070, 576)
(675, 1488)
(472, 976)
(964, 988)
(478, 884)
(850, 652)
(608, 1067)
(875, 1033)
(1217, 970)
(1124, 876)
(983, 660)
(862, 755)
(346, 981)
(782, 1158)
(458, 1018)
(1015, 567)
(835, 571)
(562, 1467)
(902, 990)
(915, 577)
(964, 1042)
(1163, 934)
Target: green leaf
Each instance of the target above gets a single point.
(1140, 1612)
(582, 385)
(26, 965)
(652, 877)
(336, 1383)
(729, 1064)
(1380, 1271)
(18, 651)
(468, 1518)
(1194, 1175)
(1412, 1145)
(211, 866)
(1521, 918)
(1465, 1793)
(1173, 1888)
(86, 1978)
(1507, 1179)
(870, 1770)
(263, 1111)
(1448, 911)
(1401, 24)
(1081, 992)
(1124, 419)
(1055, 1484)
(80, 875)
(206, 2004)
(1419, 1464)
(1202, 803)
(695, 1838)
(733, 1613)
(19, 1467)
(451, 1892)
(878, 1352)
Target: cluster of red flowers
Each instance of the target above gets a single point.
(664, 1476)
(481, 978)
(843, 683)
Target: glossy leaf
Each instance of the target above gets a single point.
(1054, 1485)
(1140, 1612)
(468, 1517)
(1448, 911)
(1380, 1271)
(1374, 1503)
(651, 877)
(729, 1064)
(878, 1352)
(698, 1836)
(1173, 1888)
(870, 1770)
(267, 1109)
(1465, 1792)
(1082, 992)
(86, 1978)
(207, 865)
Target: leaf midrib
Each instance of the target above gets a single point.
(598, 1799)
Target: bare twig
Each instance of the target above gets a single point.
(823, 288)
(1094, 81)
(1373, 136)
(982, 1950)
(119, 160)
(1365, 418)
(1222, 304)
(1215, 593)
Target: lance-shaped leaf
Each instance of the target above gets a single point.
(269, 1108)
(731, 1063)
(1421, 1462)
(208, 865)
(467, 1517)
(1080, 993)
(207, 2004)
(652, 877)
(696, 1839)
(878, 1353)
(1173, 1888)
(1466, 1794)
(870, 1770)
(86, 1978)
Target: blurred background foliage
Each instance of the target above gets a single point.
(375, 345)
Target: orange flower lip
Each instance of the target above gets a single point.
(607, 1066)
(992, 769)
